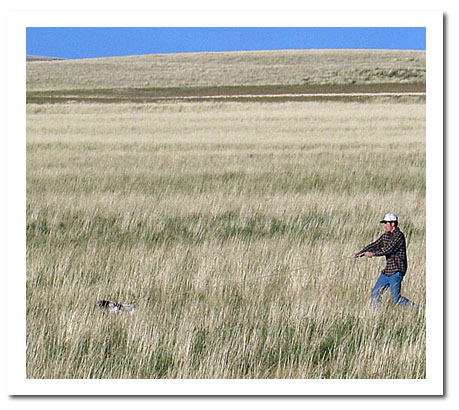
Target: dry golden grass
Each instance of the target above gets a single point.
(199, 213)
(230, 69)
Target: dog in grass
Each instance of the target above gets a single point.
(116, 307)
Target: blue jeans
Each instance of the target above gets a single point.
(394, 282)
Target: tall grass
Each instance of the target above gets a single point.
(200, 214)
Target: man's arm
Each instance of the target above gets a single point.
(370, 248)
(374, 246)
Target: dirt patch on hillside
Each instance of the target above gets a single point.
(343, 92)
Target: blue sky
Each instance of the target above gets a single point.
(90, 42)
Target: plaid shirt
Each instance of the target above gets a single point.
(391, 245)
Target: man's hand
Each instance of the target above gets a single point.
(369, 254)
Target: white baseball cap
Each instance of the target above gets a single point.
(390, 217)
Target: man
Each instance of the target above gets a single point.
(390, 244)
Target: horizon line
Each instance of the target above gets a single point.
(223, 51)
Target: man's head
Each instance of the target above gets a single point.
(390, 222)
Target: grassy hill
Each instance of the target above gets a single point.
(247, 68)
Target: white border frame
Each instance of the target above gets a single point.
(18, 384)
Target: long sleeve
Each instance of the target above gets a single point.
(373, 247)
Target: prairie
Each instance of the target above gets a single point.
(228, 224)
(246, 68)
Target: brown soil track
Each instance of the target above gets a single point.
(337, 92)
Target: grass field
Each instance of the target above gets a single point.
(200, 213)
(248, 68)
